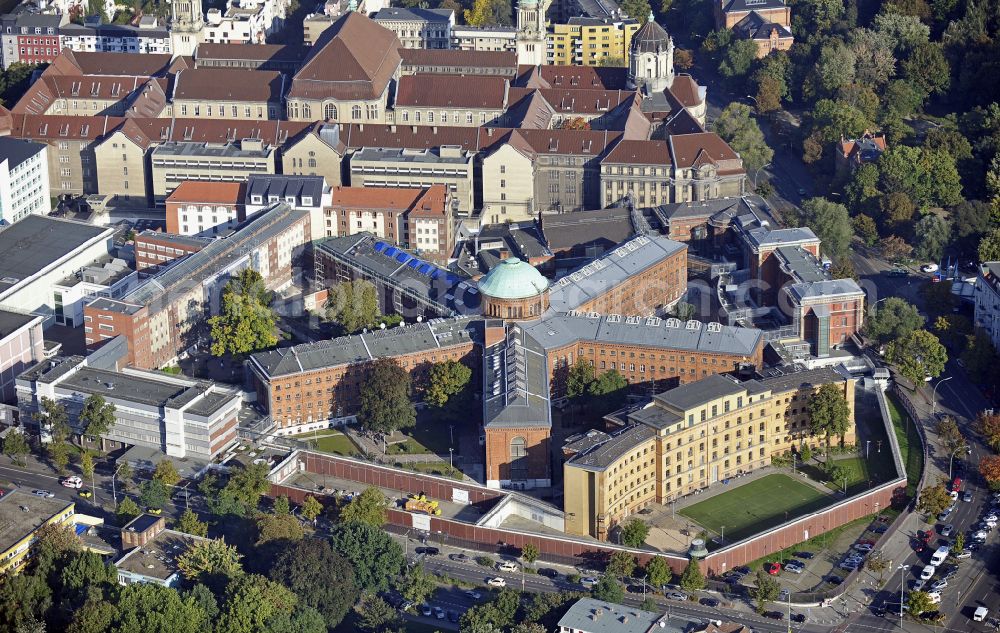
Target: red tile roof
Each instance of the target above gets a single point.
(639, 153)
(459, 58)
(690, 150)
(429, 201)
(452, 91)
(227, 84)
(209, 192)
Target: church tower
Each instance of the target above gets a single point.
(651, 60)
(531, 44)
(186, 23)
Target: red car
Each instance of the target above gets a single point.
(925, 536)
(772, 568)
(957, 484)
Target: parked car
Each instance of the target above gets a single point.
(428, 551)
(929, 268)
(805, 555)
(863, 547)
(799, 617)
(507, 566)
(938, 585)
(980, 535)
(405, 606)
(935, 597)
(459, 558)
(439, 613)
(86, 494)
(743, 570)
(772, 568)
(589, 582)
(793, 567)
(43, 493)
(928, 572)
(497, 582)
(882, 529)
(849, 565)
(676, 595)
(774, 615)
(548, 572)
(918, 584)
(834, 580)
(963, 554)
(947, 529)
(954, 495)
(709, 602)
(425, 610)
(991, 516)
(453, 616)
(471, 593)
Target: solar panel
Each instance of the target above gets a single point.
(402, 258)
(380, 246)
(391, 251)
(425, 269)
(413, 263)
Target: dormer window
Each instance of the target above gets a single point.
(290, 199)
(272, 198)
(256, 199)
(307, 201)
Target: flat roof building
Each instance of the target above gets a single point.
(21, 516)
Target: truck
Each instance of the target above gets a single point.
(420, 503)
(940, 555)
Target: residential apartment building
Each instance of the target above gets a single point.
(30, 38)
(483, 38)
(228, 93)
(418, 28)
(302, 193)
(446, 165)
(308, 386)
(24, 179)
(160, 317)
(637, 171)
(987, 301)
(855, 152)
(450, 100)
(21, 345)
(121, 160)
(38, 253)
(687, 439)
(155, 250)
(174, 162)
(149, 37)
(418, 219)
(590, 41)
(205, 208)
(22, 515)
(180, 416)
(284, 58)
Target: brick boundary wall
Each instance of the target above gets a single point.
(566, 548)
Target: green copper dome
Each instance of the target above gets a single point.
(513, 279)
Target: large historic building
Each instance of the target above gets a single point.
(686, 439)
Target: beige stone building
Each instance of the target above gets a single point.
(317, 151)
(687, 439)
(174, 162)
(216, 93)
(449, 100)
(122, 166)
(348, 74)
(508, 181)
(640, 169)
(448, 165)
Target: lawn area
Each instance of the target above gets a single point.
(432, 468)
(909, 445)
(330, 442)
(427, 436)
(756, 506)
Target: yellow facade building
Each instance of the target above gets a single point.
(686, 439)
(587, 41)
(21, 516)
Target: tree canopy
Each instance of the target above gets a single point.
(319, 576)
(446, 378)
(246, 322)
(829, 412)
(97, 416)
(385, 398)
(892, 319)
(917, 355)
(831, 223)
(737, 127)
(374, 555)
(368, 507)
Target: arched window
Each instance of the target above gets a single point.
(330, 112)
(306, 111)
(518, 458)
(356, 113)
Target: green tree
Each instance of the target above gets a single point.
(189, 524)
(875, 62)
(321, 578)
(385, 398)
(933, 234)
(862, 192)
(15, 446)
(928, 176)
(892, 319)
(832, 119)
(835, 66)
(375, 556)
(245, 322)
(637, 9)
(831, 223)
(971, 220)
(94, 616)
(59, 454)
(86, 464)
(166, 473)
(278, 527)
(609, 589)
(156, 609)
(933, 500)
(829, 413)
(805, 453)
(927, 67)
(368, 507)
(353, 305)
(23, 596)
(903, 33)
(866, 229)
(529, 553)
(658, 572)
(634, 532)
(949, 433)
(208, 558)
(53, 421)
(417, 585)
(242, 492)
(97, 415)
(958, 545)
(918, 602)
(765, 590)
(252, 603)
(821, 15)
(837, 474)
(375, 615)
(496, 615)
(446, 379)
(153, 494)
(737, 58)
(609, 390)
(579, 378)
(989, 246)
(692, 579)
(311, 508)
(85, 569)
(621, 564)
(281, 505)
(127, 510)
(124, 474)
(736, 125)
(917, 355)
(980, 358)
(879, 564)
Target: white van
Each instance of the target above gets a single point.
(980, 614)
(940, 555)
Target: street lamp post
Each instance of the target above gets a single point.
(934, 394)
(114, 496)
(868, 445)
(756, 104)
(756, 173)
(451, 457)
(902, 568)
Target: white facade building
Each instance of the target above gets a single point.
(987, 308)
(24, 180)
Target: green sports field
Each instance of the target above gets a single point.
(756, 506)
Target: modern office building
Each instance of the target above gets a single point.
(447, 165)
(174, 162)
(24, 180)
(21, 345)
(591, 41)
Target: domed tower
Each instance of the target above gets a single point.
(530, 38)
(514, 289)
(651, 60)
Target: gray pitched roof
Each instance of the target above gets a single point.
(297, 187)
(564, 329)
(15, 151)
(415, 14)
(693, 394)
(516, 383)
(602, 453)
(828, 288)
(597, 616)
